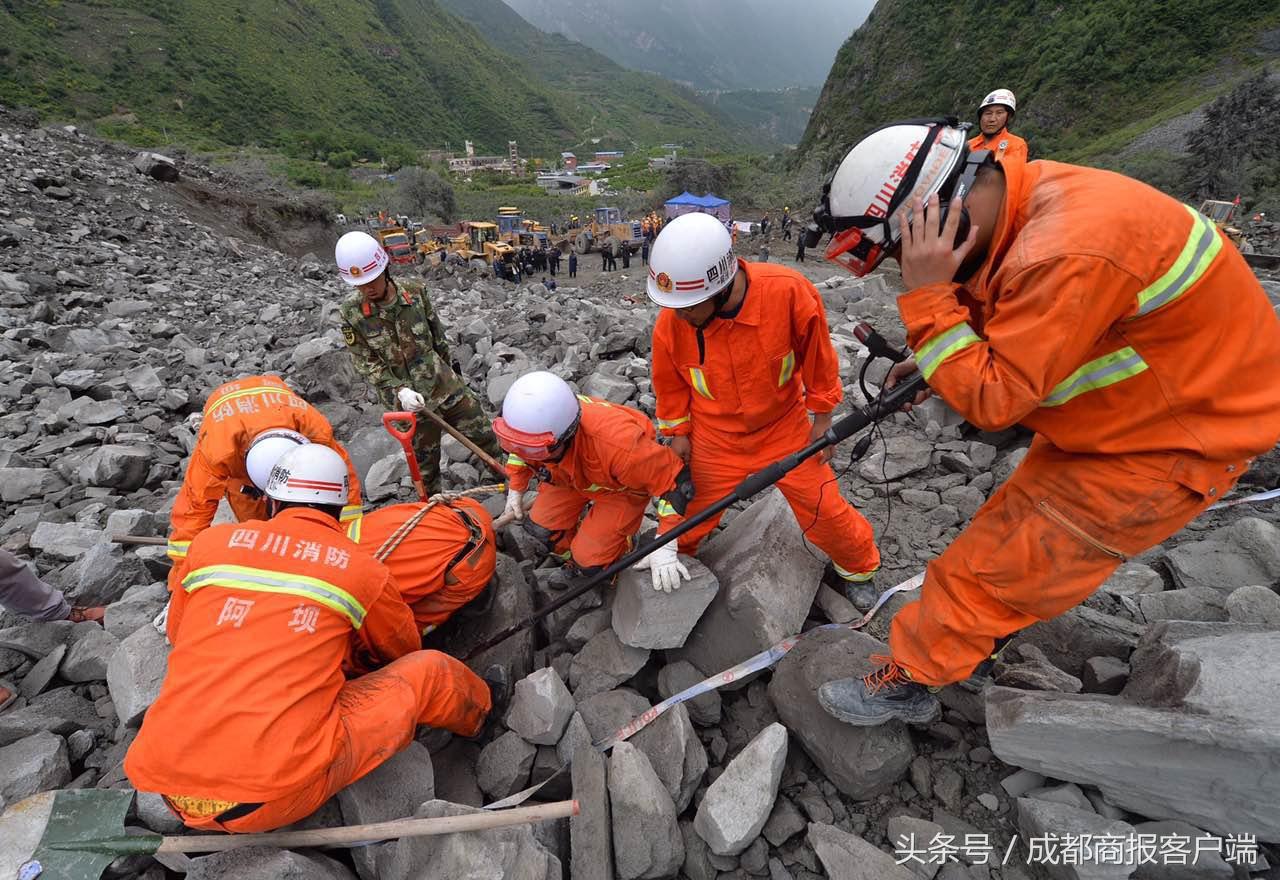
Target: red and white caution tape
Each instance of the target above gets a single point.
(1248, 499)
(764, 660)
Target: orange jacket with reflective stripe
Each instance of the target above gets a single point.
(234, 414)
(1006, 146)
(752, 369)
(1113, 320)
(420, 562)
(615, 450)
(266, 615)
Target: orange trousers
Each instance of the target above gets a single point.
(598, 538)
(379, 714)
(720, 461)
(1040, 545)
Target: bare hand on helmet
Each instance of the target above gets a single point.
(904, 370)
(928, 254)
(411, 400)
(683, 447)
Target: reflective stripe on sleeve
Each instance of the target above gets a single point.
(261, 580)
(354, 528)
(665, 508)
(1097, 373)
(1202, 246)
(931, 355)
(178, 549)
(350, 512)
(699, 380)
(514, 460)
(667, 424)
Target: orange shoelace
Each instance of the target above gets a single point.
(889, 674)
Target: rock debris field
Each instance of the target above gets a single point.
(1151, 711)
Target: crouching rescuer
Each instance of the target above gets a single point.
(1115, 322)
(599, 464)
(256, 725)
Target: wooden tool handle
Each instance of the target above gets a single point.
(139, 539)
(466, 441)
(350, 834)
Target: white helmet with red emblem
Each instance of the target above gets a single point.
(360, 258)
(879, 178)
(691, 262)
(999, 98)
(311, 474)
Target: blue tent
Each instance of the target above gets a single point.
(687, 203)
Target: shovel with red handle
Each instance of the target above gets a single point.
(406, 441)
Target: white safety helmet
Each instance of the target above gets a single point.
(539, 413)
(265, 450)
(880, 177)
(1002, 97)
(311, 474)
(360, 258)
(692, 261)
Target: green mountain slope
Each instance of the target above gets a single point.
(245, 72)
(622, 108)
(1087, 75)
(778, 117)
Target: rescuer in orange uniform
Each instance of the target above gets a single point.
(588, 452)
(1116, 323)
(246, 426)
(995, 115)
(741, 356)
(255, 725)
(444, 560)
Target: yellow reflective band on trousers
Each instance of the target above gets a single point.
(671, 423)
(699, 380)
(788, 367)
(245, 392)
(1198, 253)
(261, 580)
(931, 355)
(665, 508)
(1097, 373)
(856, 577)
(178, 549)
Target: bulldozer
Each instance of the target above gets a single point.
(1220, 213)
(608, 223)
(479, 241)
(518, 232)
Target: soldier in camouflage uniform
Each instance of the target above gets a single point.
(397, 342)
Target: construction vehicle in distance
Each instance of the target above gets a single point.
(518, 232)
(396, 242)
(430, 240)
(606, 224)
(479, 241)
(1221, 213)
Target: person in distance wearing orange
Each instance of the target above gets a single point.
(1088, 307)
(745, 374)
(255, 725)
(995, 115)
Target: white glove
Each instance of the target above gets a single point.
(666, 567)
(194, 421)
(513, 511)
(161, 622)
(411, 400)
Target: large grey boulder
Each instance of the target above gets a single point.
(505, 764)
(646, 838)
(591, 831)
(540, 707)
(704, 709)
(392, 790)
(135, 672)
(64, 540)
(906, 455)
(19, 484)
(737, 805)
(675, 752)
(849, 857)
(117, 467)
(511, 853)
(863, 762)
(267, 863)
(603, 664)
(767, 583)
(1041, 819)
(647, 618)
(1202, 863)
(60, 711)
(37, 763)
(1254, 604)
(1244, 553)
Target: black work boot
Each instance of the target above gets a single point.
(983, 674)
(861, 590)
(888, 694)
